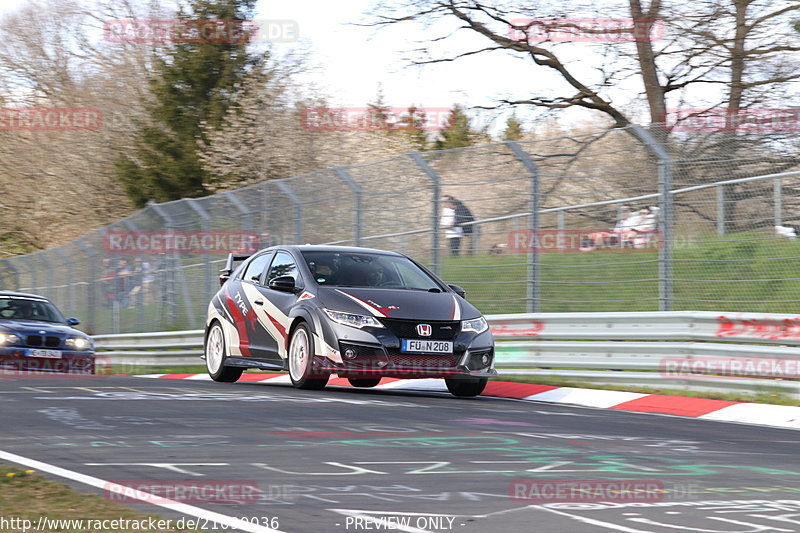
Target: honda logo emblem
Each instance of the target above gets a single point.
(424, 330)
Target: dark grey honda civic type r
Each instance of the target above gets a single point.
(359, 313)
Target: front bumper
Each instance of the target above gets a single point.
(374, 352)
(16, 359)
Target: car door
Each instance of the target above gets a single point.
(254, 338)
(278, 304)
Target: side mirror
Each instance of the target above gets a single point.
(458, 290)
(283, 283)
(73, 321)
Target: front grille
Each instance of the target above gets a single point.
(52, 342)
(423, 361)
(34, 340)
(407, 329)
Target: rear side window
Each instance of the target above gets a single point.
(283, 265)
(255, 268)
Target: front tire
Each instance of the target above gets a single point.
(216, 354)
(465, 389)
(301, 361)
(364, 382)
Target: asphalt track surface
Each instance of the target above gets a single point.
(346, 459)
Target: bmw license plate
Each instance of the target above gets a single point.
(47, 354)
(426, 346)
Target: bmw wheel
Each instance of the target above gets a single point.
(464, 388)
(215, 356)
(301, 361)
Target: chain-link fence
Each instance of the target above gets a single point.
(558, 226)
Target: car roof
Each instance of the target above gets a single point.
(22, 295)
(339, 249)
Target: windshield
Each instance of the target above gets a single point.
(355, 269)
(19, 308)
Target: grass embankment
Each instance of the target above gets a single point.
(26, 495)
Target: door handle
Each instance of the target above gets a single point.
(259, 302)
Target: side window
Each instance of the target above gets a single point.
(283, 265)
(256, 267)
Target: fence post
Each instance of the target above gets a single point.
(664, 216)
(247, 215)
(535, 203)
(777, 194)
(140, 279)
(69, 279)
(720, 189)
(91, 300)
(177, 268)
(437, 193)
(10, 266)
(298, 209)
(208, 277)
(356, 188)
(49, 274)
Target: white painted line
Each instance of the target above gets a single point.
(585, 397)
(425, 384)
(149, 375)
(281, 378)
(145, 497)
(199, 377)
(785, 416)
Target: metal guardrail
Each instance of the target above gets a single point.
(700, 351)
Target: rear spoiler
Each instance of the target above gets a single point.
(225, 273)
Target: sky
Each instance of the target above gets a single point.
(349, 64)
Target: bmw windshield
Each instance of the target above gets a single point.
(18, 308)
(357, 269)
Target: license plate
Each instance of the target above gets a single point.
(426, 346)
(47, 354)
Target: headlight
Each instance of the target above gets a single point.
(79, 343)
(353, 320)
(8, 338)
(478, 325)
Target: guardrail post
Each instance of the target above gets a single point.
(356, 188)
(437, 188)
(777, 204)
(665, 222)
(535, 202)
(298, 209)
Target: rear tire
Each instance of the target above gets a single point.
(301, 361)
(465, 389)
(364, 382)
(216, 355)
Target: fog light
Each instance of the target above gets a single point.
(349, 353)
(380, 364)
(485, 359)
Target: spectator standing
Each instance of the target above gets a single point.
(463, 217)
(452, 231)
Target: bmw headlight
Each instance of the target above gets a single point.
(7, 339)
(478, 325)
(353, 320)
(79, 343)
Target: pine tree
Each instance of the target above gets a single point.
(413, 127)
(457, 133)
(193, 85)
(513, 130)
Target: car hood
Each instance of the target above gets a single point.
(398, 303)
(33, 327)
